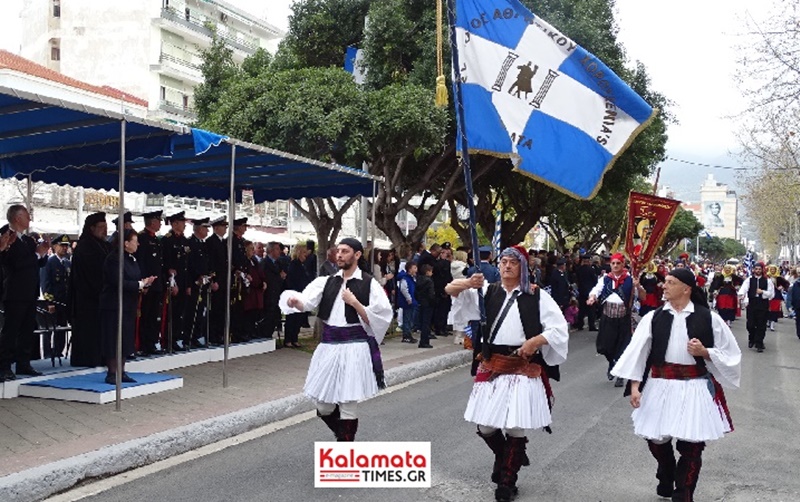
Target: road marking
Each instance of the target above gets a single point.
(96, 487)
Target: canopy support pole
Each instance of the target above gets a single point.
(121, 256)
(231, 216)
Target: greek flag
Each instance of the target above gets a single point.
(354, 64)
(498, 227)
(749, 261)
(534, 96)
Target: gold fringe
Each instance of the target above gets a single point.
(441, 92)
(441, 87)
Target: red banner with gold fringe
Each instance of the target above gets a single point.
(649, 217)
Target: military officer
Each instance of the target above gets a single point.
(176, 260)
(240, 279)
(217, 248)
(200, 283)
(55, 288)
(149, 256)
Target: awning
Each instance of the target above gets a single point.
(69, 144)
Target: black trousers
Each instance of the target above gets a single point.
(194, 318)
(614, 336)
(217, 315)
(293, 324)
(440, 313)
(756, 325)
(585, 310)
(150, 320)
(55, 346)
(272, 319)
(178, 310)
(425, 315)
(16, 338)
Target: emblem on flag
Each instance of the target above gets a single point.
(534, 96)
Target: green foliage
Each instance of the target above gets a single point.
(733, 248)
(315, 112)
(319, 32)
(219, 71)
(684, 226)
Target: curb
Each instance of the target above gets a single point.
(41, 482)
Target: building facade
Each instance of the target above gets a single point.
(719, 208)
(147, 48)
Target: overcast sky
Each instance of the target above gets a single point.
(688, 47)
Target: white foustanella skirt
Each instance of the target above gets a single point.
(341, 373)
(509, 401)
(682, 409)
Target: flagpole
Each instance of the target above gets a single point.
(461, 138)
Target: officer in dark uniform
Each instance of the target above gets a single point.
(199, 282)
(240, 280)
(217, 248)
(175, 247)
(127, 224)
(55, 288)
(151, 262)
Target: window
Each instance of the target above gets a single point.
(56, 8)
(55, 49)
(188, 14)
(185, 102)
(163, 93)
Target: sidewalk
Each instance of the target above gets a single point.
(47, 444)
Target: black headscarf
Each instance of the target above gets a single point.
(687, 277)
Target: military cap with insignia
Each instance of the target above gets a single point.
(61, 239)
(127, 218)
(239, 221)
(176, 217)
(484, 251)
(155, 215)
(202, 222)
(219, 221)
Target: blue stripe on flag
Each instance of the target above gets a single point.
(557, 146)
(483, 122)
(350, 59)
(594, 74)
(498, 21)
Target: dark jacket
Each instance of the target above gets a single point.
(424, 291)
(297, 277)
(55, 279)
(275, 285)
(586, 279)
(559, 287)
(150, 259)
(218, 259)
(21, 270)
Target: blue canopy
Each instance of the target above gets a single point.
(66, 143)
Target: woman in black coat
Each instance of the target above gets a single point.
(132, 284)
(86, 283)
(297, 279)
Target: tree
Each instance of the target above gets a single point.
(684, 226)
(733, 248)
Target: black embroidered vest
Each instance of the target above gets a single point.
(698, 325)
(528, 309)
(333, 285)
(756, 302)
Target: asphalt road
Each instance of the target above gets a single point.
(592, 454)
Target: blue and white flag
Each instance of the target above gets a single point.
(534, 96)
(498, 229)
(354, 64)
(749, 262)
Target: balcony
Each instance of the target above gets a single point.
(185, 113)
(177, 68)
(197, 30)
